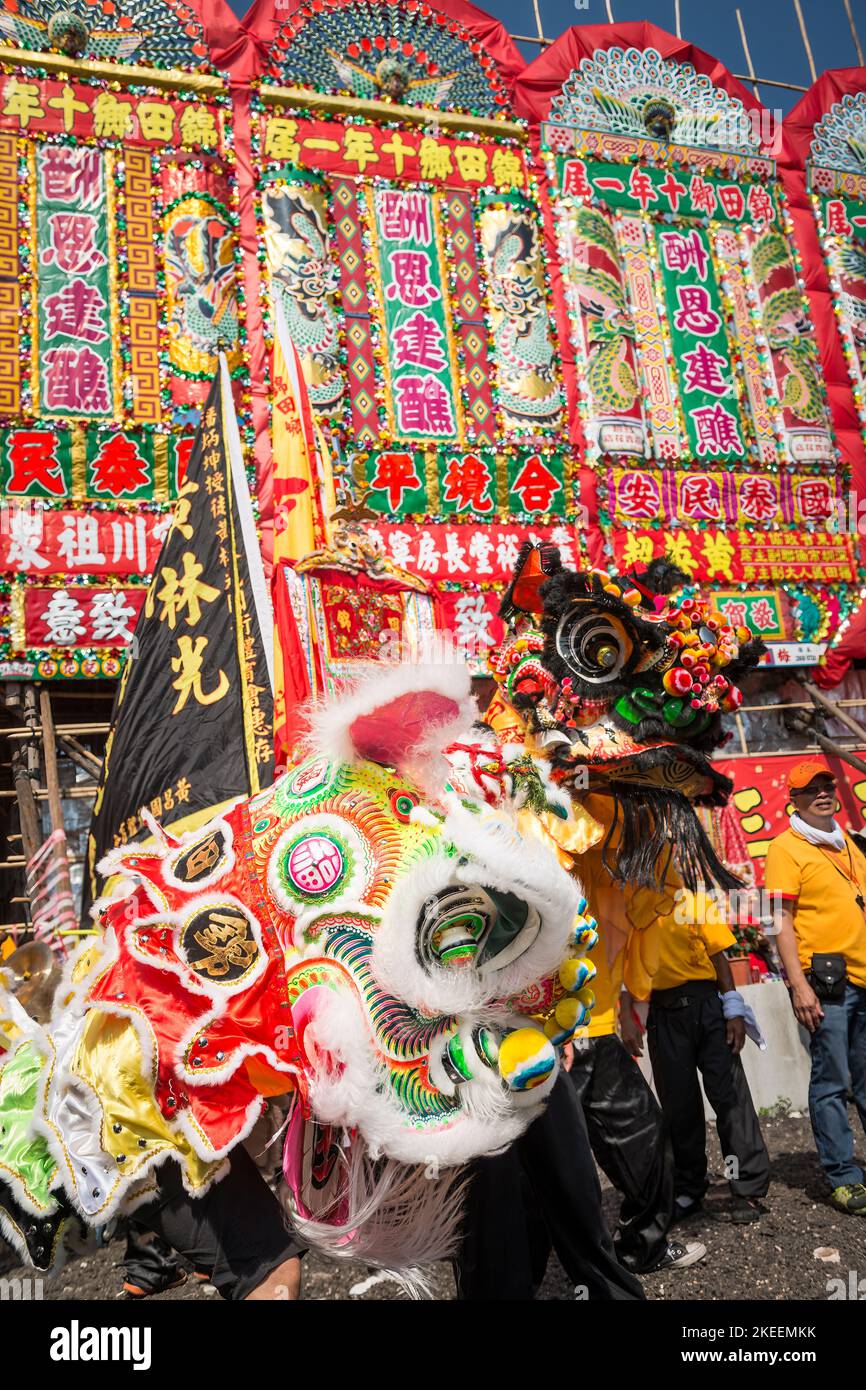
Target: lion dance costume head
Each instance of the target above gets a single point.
(624, 689)
(370, 936)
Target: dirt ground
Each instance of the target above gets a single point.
(772, 1259)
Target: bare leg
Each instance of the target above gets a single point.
(283, 1283)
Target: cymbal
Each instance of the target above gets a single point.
(32, 975)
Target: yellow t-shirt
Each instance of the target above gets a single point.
(682, 939)
(821, 886)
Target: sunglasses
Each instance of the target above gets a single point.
(816, 789)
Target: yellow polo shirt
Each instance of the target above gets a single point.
(821, 887)
(690, 929)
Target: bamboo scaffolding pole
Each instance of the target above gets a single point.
(749, 64)
(855, 36)
(49, 754)
(821, 702)
(806, 44)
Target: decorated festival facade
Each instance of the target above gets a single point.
(597, 300)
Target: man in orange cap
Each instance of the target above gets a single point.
(818, 875)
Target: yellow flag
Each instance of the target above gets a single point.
(299, 516)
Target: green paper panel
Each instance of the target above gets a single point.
(76, 376)
(640, 188)
(397, 482)
(696, 324)
(536, 484)
(416, 328)
(119, 465)
(36, 462)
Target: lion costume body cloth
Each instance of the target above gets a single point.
(369, 937)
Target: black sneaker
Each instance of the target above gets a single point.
(679, 1255)
(682, 1211)
(744, 1210)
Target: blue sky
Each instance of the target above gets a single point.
(771, 28)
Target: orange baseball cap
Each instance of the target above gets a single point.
(805, 772)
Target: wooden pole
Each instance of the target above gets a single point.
(25, 774)
(833, 748)
(805, 37)
(678, 22)
(829, 708)
(855, 36)
(31, 838)
(749, 64)
(87, 761)
(49, 753)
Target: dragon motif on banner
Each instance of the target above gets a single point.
(295, 222)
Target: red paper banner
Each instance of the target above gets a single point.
(50, 107)
(79, 617)
(757, 556)
(471, 616)
(486, 554)
(412, 156)
(79, 542)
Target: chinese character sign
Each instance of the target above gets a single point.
(700, 343)
(417, 329)
(76, 368)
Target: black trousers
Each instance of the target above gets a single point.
(686, 1035)
(542, 1192)
(630, 1144)
(236, 1233)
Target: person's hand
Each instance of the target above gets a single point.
(567, 1056)
(735, 1034)
(806, 1005)
(630, 1030)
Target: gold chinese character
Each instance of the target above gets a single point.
(507, 168)
(227, 938)
(22, 100)
(202, 858)
(156, 119)
(638, 550)
(67, 104)
(187, 664)
(182, 509)
(435, 159)
(399, 148)
(198, 127)
(185, 591)
(358, 148)
(718, 554)
(183, 789)
(472, 163)
(679, 552)
(111, 117)
(280, 139)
